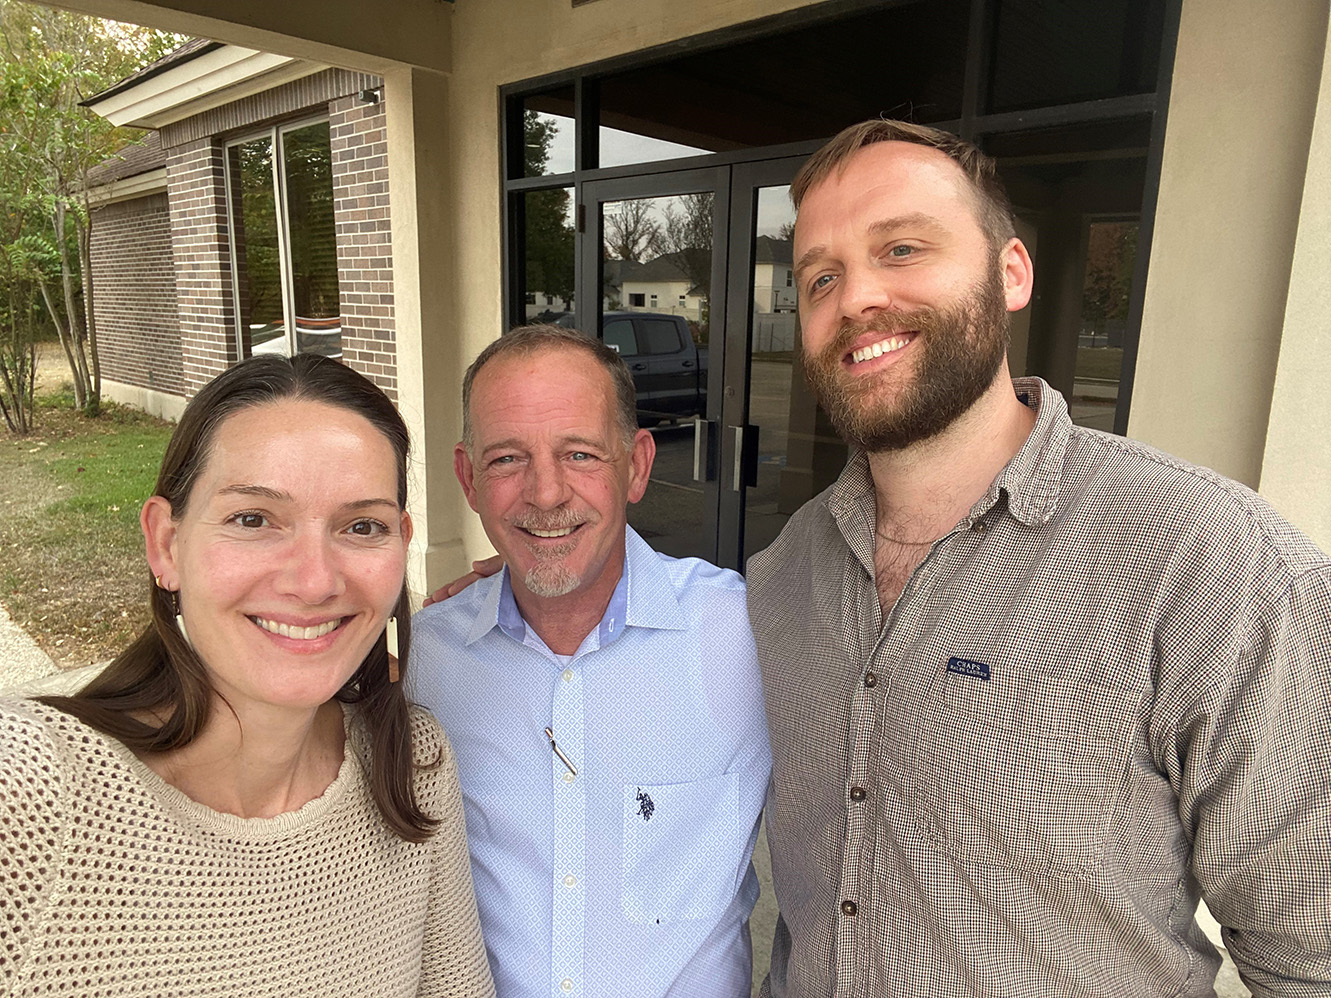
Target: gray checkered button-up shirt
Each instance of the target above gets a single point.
(1107, 689)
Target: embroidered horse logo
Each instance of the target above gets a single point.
(646, 807)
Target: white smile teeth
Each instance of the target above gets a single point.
(561, 532)
(878, 349)
(298, 632)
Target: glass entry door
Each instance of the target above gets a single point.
(690, 276)
(652, 284)
(780, 448)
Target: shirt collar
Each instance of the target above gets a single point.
(1033, 480)
(1030, 482)
(644, 597)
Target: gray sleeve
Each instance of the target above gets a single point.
(1256, 793)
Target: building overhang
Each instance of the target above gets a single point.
(215, 77)
(127, 188)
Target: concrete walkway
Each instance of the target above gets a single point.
(21, 661)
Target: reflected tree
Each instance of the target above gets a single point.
(549, 236)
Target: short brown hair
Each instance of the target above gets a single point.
(525, 340)
(993, 209)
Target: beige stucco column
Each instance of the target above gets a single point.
(1296, 466)
(1241, 111)
(429, 359)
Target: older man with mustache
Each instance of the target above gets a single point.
(603, 700)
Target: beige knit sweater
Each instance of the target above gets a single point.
(114, 884)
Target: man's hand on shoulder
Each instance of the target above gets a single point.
(479, 570)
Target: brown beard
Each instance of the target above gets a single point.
(960, 348)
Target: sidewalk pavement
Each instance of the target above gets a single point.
(21, 661)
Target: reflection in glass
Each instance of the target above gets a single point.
(547, 238)
(658, 257)
(307, 163)
(1111, 257)
(1060, 53)
(903, 59)
(656, 309)
(548, 133)
(799, 454)
(1077, 192)
(621, 148)
(254, 234)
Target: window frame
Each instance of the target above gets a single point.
(275, 134)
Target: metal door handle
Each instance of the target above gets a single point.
(704, 449)
(745, 471)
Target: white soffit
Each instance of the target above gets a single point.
(215, 78)
(137, 186)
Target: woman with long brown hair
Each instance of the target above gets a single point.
(244, 802)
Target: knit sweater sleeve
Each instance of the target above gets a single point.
(31, 831)
(453, 960)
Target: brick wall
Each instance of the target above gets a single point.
(359, 141)
(134, 294)
(202, 260)
(204, 343)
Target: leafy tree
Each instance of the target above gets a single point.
(49, 62)
(1110, 259)
(549, 236)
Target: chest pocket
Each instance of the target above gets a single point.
(1024, 770)
(682, 849)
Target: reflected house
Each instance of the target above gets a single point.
(252, 218)
(658, 285)
(773, 275)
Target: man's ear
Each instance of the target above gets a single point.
(640, 464)
(1018, 275)
(159, 538)
(462, 467)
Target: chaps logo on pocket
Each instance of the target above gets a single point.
(646, 806)
(965, 667)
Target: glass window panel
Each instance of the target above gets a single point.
(1111, 259)
(312, 238)
(1077, 194)
(548, 133)
(547, 230)
(257, 251)
(799, 454)
(1061, 51)
(655, 252)
(905, 60)
(619, 336)
(661, 336)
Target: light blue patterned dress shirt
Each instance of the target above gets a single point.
(632, 877)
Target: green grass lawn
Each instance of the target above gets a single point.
(71, 555)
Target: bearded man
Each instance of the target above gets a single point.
(1033, 690)
(603, 700)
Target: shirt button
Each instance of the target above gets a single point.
(870, 679)
(979, 526)
(568, 675)
(857, 793)
(570, 881)
(849, 907)
(568, 777)
(566, 985)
